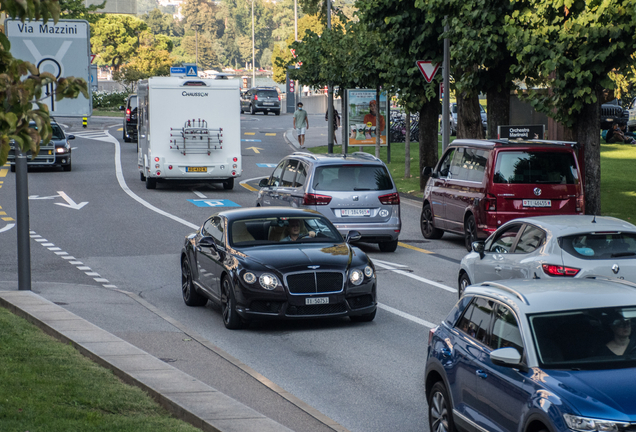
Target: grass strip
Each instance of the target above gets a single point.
(49, 386)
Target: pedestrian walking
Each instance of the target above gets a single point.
(301, 124)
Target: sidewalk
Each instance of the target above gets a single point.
(182, 394)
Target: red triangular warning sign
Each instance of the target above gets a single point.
(427, 68)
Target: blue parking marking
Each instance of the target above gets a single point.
(266, 165)
(213, 203)
(250, 140)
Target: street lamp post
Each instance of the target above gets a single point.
(330, 118)
(253, 50)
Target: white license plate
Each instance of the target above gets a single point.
(268, 103)
(537, 203)
(316, 300)
(356, 212)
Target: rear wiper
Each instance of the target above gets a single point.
(622, 254)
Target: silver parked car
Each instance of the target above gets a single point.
(354, 191)
(565, 246)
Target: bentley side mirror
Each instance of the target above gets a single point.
(70, 137)
(263, 183)
(353, 236)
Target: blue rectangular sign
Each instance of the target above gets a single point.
(213, 203)
(266, 165)
(177, 71)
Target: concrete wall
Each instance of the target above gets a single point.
(315, 104)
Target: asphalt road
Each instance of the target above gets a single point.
(365, 376)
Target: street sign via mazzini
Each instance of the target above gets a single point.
(428, 69)
(62, 49)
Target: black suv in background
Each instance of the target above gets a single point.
(263, 99)
(55, 153)
(130, 119)
(612, 112)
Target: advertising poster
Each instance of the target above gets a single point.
(363, 121)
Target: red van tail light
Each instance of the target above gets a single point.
(580, 204)
(392, 198)
(558, 270)
(127, 114)
(279, 99)
(255, 97)
(490, 202)
(315, 199)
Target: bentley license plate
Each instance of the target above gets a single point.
(537, 203)
(196, 169)
(356, 212)
(316, 300)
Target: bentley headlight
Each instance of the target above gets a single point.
(268, 281)
(578, 423)
(356, 277)
(368, 271)
(249, 277)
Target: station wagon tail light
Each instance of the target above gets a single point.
(392, 198)
(490, 202)
(315, 199)
(127, 114)
(279, 97)
(558, 270)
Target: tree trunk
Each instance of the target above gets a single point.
(429, 118)
(407, 146)
(587, 135)
(498, 109)
(468, 117)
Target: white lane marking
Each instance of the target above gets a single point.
(47, 244)
(35, 236)
(7, 227)
(407, 316)
(100, 280)
(199, 194)
(75, 262)
(387, 263)
(416, 277)
(61, 253)
(69, 257)
(92, 274)
(41, 240)
(69, 202)
(55, 249)
(125, 188)
(83, 268)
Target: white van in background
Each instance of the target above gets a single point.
(189, 129)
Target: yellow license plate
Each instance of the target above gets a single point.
(196, 169)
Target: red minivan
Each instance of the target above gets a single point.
(478, 185)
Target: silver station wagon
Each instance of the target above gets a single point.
(354, 191)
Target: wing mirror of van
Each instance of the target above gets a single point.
(263, 183)
(479, 247)
(428, 172)
(122, 108)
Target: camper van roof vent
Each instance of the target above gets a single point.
(194, 84)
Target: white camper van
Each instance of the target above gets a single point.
(189, 129)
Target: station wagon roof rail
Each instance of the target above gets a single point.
(508, 289)
(504, 141)
(309, 155)
(363, 155)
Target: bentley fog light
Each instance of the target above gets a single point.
(249, 277)
(268, 281)
(356, 277)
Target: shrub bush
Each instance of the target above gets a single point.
(102, 99)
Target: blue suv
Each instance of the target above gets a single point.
(535, 356)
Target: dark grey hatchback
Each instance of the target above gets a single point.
(261, 99)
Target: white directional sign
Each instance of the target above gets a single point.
(428, 69)
(62, 49)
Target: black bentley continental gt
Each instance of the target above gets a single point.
(277, 262)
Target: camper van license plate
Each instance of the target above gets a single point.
(537, 203)
(196, 169)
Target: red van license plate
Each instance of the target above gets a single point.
(537, 203)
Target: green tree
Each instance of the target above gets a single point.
(162, 23)
(21, 85)
(76, 9)
(200, 15)
(206, 55)
(148, 62)
(571, 47)
(282, 57)
(115, 38)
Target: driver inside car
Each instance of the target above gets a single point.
(294, 231)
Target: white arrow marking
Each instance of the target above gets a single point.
(36, 197)
(71, 203)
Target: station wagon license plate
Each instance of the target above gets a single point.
(317, 300)
(537, 203)
(355, 212)
(196, 169)
(268, 103)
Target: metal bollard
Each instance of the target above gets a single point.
(84, 121)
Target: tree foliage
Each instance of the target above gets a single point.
(115, 39)
(77, 9)
(21, 85)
